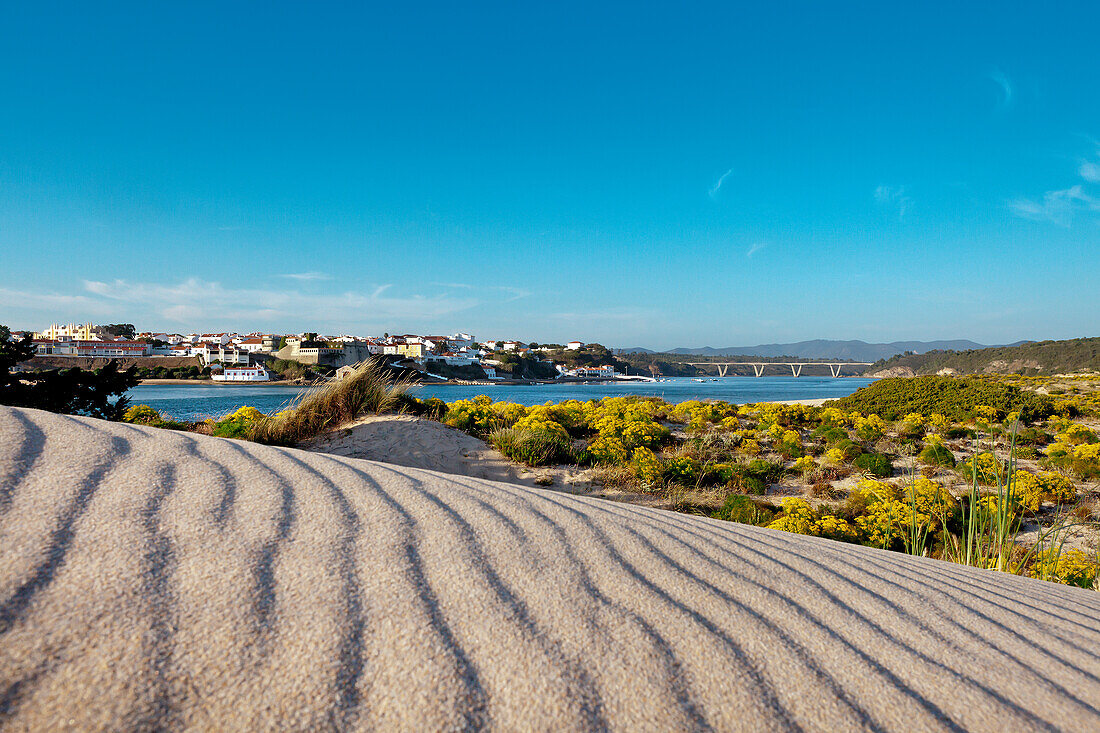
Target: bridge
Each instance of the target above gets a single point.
(758, 366)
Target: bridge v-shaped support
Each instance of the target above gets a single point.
(722, 369)
(758, 369)
(834, 369)
(796, 369)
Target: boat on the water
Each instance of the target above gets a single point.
(241, 374)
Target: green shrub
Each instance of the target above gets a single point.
(830, 434)
(1031, 436)
(532, 446)
(848, 449)
(935, 454)
(767, 471)
(875, 464)
(738, 508)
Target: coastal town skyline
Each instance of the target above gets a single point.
(772, 174)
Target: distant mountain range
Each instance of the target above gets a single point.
(826, 349)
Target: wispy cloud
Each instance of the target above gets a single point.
(307, 276)
(1061, 205)
(512, 293)
(756, 247)
(895, 197)
(196, 303)
(998, 77)
(1090, 171)
(1057, 207)
(713, 193)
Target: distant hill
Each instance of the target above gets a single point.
(1033, 357)
(825, 349)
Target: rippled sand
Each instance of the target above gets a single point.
(154, 579)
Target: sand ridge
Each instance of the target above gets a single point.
(156, 579)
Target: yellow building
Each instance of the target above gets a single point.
(71, 332)
(412, 351)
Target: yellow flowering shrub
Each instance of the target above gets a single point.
(475, 416)
(605, 449)
(834, 456)
(869, 428)
(1072, 567)
(835, 528)
(141, 415)
(1076, 434)
(541, 424)
(1028, 490)
(731, 422)
(238, 424)
(800, 518)
(986, 412)
(1087, 452)
(923, 504)
(682, 469)
(509, 412)
(750, 447)
(646, 466)
(797, 517)
(805, 464)
(989, 468)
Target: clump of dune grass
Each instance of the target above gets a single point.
(370, 388)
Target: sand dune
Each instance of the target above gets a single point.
(154, 579)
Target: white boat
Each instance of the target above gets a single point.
(242, 374)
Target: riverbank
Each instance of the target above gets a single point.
(193, 399)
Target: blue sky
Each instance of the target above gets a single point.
(660, 175)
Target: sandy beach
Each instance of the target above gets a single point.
(162, 580)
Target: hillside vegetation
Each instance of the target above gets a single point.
(954, 398)
(1038, 357)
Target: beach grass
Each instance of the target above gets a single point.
(369, 389)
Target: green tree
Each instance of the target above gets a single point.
(70, 391)
(120, 330)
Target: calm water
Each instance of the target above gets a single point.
(188, 402)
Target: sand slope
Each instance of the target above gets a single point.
(153, 579)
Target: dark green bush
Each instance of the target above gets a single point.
(766, 471)
(848, 449)
(830, 434)
(742, 509)
(744, 482)
(909, 431)
(875, 464)
(937, 455)
(1031, 436)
